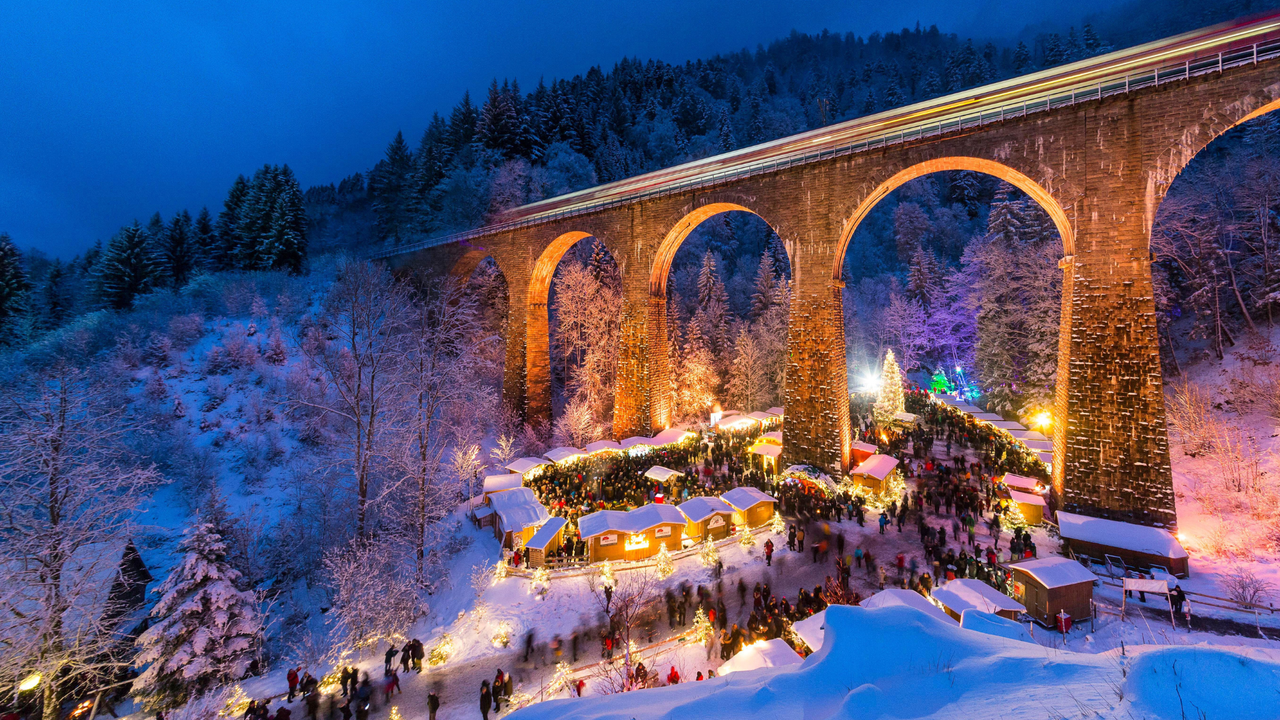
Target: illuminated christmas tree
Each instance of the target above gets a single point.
(709, 554)
(891, 400)
(665, 566)
(703, 630)
(777, 524)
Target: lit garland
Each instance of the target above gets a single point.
(891, 492)
(562, 680)
(541, 583)
(502, 635)
(236, 704)
(606, 575)
(499, 571)
(666, 567)
(441, 651)
(709, 555)
(703, 631)
(777, 524)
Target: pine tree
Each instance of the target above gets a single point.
(285, 247)
(1021, 58)
(14, 287)
(890, 400)
(223, 255)
(57, 299)
(766, 287)
(178, 255)
(391, 189)
(128, 268)
(923, 277)
(206, 239)
(205, 631)
(462, 123)
(498, 127)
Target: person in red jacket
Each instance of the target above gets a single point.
(293, 682)
(673, 677)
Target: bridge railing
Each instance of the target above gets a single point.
(1052, 100)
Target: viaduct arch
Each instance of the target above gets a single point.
(1100, 166)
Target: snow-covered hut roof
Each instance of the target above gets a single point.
(762, 416)
(601, 522)
(775, 411)
(561, 454)
(745, 497)
(634, 441)
(668, 437)
(966, 408)
(1025, 435)
(518, 509)
(989, 417)
(949, 400)
(1019, 481)
(1054, 572)
(964, 594)
(1045, 457)
(736, 421)
(1026, 498)
(525, 464)
(774, 435)
(910, 598)
(865, 447)
(767, 449)
(601, 445)
(698, 509)
(1113, 533)
(1039, 445)
(653, 515)
(546, 533)
(761, 654)
(661, 474)
(499, 483)
(989, 624)
(812, 629)
(1008, 425)
(877, 466)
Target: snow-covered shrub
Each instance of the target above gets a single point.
(375, 596)
(157, 353)
(1244, 586)
(1191, 416)
(185, 330)
(156, 389)
(216, 393)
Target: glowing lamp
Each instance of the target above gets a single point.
(1042, 419)
(29, 682)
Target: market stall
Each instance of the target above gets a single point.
(527, 466)
(963, 594)
(1031, 505)
(545, 541)
(518, 515)
(752, 506)
(563, 454)
(603, 446)
(501, 483)
(1049, 585)
(633, 535)
(862, 451)
(1138, 546)
(875, 472)
(707, 517)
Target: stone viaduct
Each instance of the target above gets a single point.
(1100, 168)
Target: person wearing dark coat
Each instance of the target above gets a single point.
(433, 704)
(390, 657)
(486, 700)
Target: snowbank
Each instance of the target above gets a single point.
(897, 662)
(990, 624)
(762, 654)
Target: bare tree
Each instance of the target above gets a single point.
(633, 598)
(441, 359)
(69, 494)
(354, 346)
(375, 597)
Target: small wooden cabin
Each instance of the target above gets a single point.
(862, 451)
(1138, 546)
(635, 535)
(545, 541)
(967, 594)
(501, 483)
(753, 507)
(875, 472)
(1031, 505)
(518, 515)
(707, 517)
(1049, 585)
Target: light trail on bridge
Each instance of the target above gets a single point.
(1180, 57)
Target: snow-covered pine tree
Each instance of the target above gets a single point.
(285, 247)
(890, 401)
(13, 286)
(390, 188)
(205, 632)
(128, 268)
(766, 286)
(924, 278)
(205, 236)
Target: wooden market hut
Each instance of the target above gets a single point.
(1049, 585)
(707, 517)
(635, 535)
(1031, 505)
(862, 451)
(545, 541)
(603, 446)
(563, 454)
(1138, 546)
(662, 475)
(501, 483)
(752, 506)
(963, 594)
(1019, 482)
(875, 472)
(527, 466)
(518, 515)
